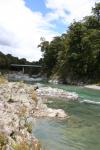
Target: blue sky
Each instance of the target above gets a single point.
(24, 22)
(37, 5)
(40, 6)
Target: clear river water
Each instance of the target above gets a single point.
(80, 132)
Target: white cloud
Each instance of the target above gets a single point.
(21, 29)
(68, 10)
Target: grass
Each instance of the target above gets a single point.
(2, 79)
(98, 84)
(37, 146)
(21, 146)
(29, 127)
(34, 96)
(22, 111)
(24, 145)
(3, 141)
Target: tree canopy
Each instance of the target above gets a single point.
(75, 55)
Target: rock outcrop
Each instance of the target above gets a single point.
(19, 105)
(16, 107)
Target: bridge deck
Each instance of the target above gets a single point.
(21, 65)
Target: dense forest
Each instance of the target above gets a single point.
(75, 55)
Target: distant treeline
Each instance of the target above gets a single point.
(75, 55)
(7, 60)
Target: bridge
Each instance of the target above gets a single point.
(23, 66)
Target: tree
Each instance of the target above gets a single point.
(96, 11)
(75, 54)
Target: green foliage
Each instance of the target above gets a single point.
(75, 54)
(25, 145)
(3, 140)
(22, 111)
(7, 60)
(21, 146)
(29, 127)
(2, 79)
(96, 11)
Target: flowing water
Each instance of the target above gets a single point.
(80, 132)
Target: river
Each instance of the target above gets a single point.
(80, 132)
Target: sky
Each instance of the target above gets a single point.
(24, 22)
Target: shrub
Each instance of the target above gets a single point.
(3, 140)
(22, 111)
(98, 84)
(29, 127)
(21, 146)
(2, 79)
(34, 96)
(24, 145)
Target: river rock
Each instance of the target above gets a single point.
(15, 103)
(43, 111)
(57, 93)
(56, 113)
(17, 106)
(55, 81)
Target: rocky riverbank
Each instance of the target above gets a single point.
(16, 106)
(95, 87)
(20, 104)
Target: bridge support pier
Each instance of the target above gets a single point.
(23, 70)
